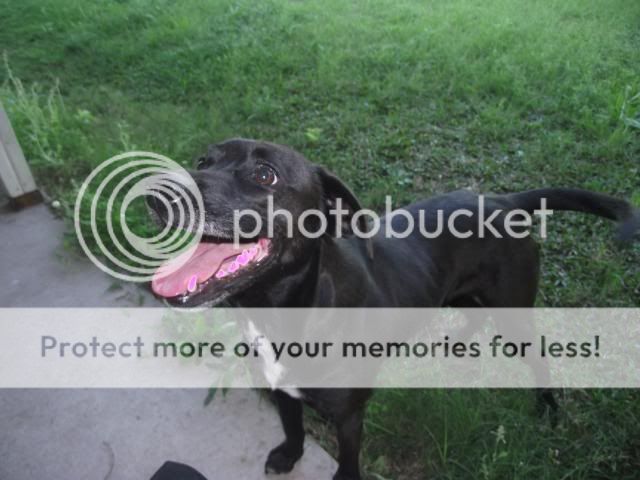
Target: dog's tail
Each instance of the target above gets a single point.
(627, 216)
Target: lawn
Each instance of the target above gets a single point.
(405, 98)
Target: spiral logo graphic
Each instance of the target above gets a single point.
(110, 190)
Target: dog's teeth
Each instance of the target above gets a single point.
(260, 254)
(193, 283)
(221, 273)
(233, 267)
(243, 258)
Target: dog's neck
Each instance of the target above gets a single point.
(287, 286)
(313, 282)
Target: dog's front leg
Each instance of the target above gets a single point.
(349, 435)
(282, 458)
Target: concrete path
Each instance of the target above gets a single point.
(118, 434)
(35, 271)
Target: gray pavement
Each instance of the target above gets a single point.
(118, 434)
(36, 271)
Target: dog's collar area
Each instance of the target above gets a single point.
(211, 263)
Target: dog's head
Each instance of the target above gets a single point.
(235, 178)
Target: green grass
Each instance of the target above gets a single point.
(493, 434)
(406, 98)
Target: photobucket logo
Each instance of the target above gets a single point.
(514, 223)
(108, 193)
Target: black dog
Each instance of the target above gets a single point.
(352, 272)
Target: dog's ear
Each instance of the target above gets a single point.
(333, 189)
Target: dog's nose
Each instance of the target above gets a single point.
(166, 195)
(173, 194)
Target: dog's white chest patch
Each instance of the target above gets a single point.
(272, 370)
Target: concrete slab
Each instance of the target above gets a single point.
(118, 434)
(35, 271)
(129, 434)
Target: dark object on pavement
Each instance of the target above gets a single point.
(177, 471)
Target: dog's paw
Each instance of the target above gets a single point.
(282, 459)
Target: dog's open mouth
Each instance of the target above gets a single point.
(215, 263)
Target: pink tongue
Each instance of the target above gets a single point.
(176, 276)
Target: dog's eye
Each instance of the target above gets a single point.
(264, 175)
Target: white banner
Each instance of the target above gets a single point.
(320, 348)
